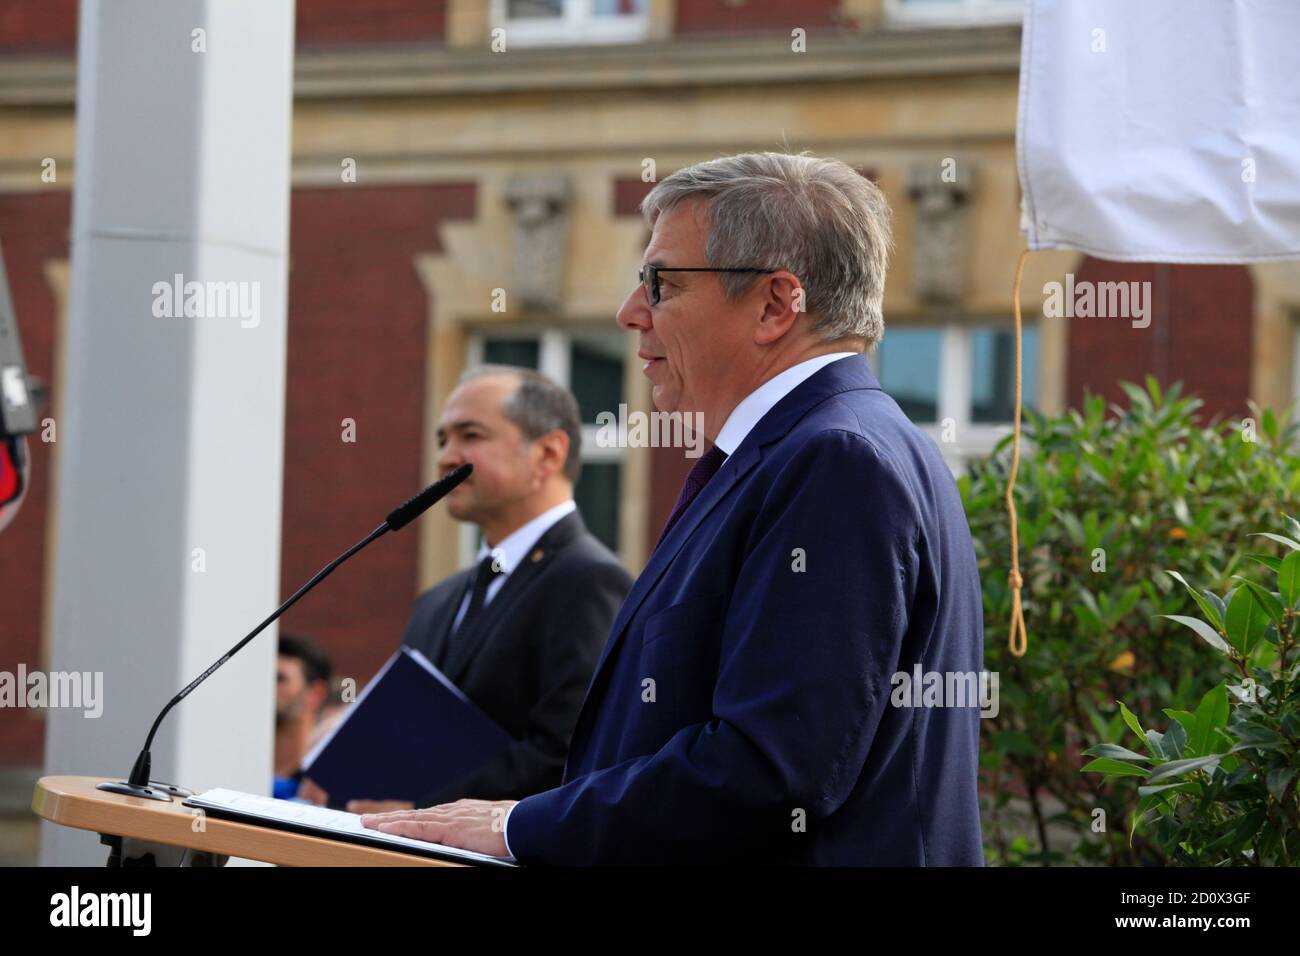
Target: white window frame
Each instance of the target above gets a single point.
(970, 439)
(902, 13)
(578, 24)
(553, 362)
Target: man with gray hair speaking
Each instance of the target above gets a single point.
(741, 710)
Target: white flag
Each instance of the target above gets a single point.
(1161, 130)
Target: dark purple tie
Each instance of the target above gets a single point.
(699, 476)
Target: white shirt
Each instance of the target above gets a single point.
(761, 400)
(510, 552)
(739, 424)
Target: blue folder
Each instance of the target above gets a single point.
(411, 731)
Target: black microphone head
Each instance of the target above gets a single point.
(404, 514)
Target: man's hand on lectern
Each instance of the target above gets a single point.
(477, 825)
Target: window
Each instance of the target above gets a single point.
(541, 22)
(907, 364)
(953, 12)
(993, 373)
(957, 382)
(591, 364)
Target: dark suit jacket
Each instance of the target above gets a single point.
(770, 736)
(528, 658)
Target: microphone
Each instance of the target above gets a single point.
(139, 784)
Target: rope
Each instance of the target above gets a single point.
(1018, 640)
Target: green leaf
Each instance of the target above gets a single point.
(1245, 621)
(1258, 737)
(1186, 787)
(1206, 607)
(1288, 579)
(1175, 740)
(1156, 744)
(1132, 721)
(1136, 396)
(1271, 605)
(1176, 768)
(1114, 751)
(1117, 767)
(1279, 782)
(1206, 633)
(1280, 539)
(1269, 423)
(1185, 718)
(1293, 524)
(1270, 562)
(1211, 715)
(1217, 602)
(1246, 827)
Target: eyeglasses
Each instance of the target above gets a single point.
(649, 276)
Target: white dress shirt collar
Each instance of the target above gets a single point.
(510, 552)
(759, 402)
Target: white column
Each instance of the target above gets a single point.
(168, 495)
(954, 393)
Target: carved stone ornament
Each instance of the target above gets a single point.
(941, 192)
(540, 204)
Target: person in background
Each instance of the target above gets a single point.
(302, 685)
(519, 631)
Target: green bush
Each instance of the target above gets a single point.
(1106, 502)
(1219, 784)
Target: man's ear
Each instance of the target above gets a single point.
(782, 303)
(554, 452)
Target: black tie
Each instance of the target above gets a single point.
(488, 569)
(699, 476)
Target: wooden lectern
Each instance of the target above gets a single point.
(74, 802)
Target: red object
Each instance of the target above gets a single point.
(10, 479)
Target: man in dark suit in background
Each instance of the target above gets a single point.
(520, 631)
(744, 709)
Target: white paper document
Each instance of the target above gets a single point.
(250, 807)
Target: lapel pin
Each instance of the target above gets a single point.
(537, 555)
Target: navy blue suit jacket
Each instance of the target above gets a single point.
(741, 709)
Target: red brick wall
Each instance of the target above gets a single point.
(342, 22)
(755, 16)
(50, 26)
(38, 26)
(357, 319)
(33, 230)
(1200, 334)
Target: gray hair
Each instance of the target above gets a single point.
(538, 406)
(818, 218)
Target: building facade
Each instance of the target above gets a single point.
(466, 176)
